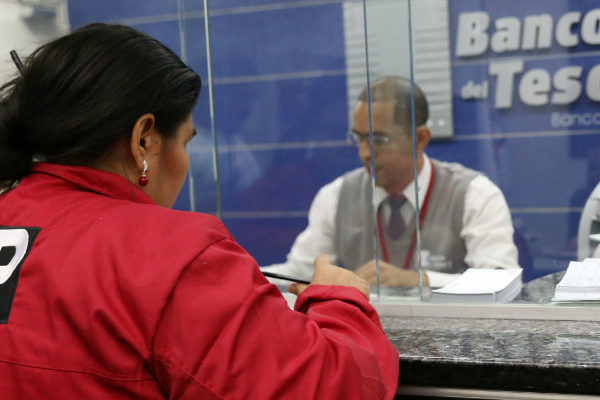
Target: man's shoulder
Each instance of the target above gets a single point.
(457, 176)
(455, 169)
(334, 187)
(360, 171)
(356, 175)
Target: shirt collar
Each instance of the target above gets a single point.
(409, 191)
(102, 182)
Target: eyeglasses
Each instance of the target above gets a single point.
(379, 138)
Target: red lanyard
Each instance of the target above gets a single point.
(414, 236)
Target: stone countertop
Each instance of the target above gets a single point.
(502, 354)
(497, 354)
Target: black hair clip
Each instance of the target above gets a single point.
(17, 61)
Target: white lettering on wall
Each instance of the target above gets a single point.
(537, 87)
(505, 73)
(592, 87)
(506, 38)
(472, 39)
(590, 27)
(534, 87)
(567, 120)
(564, 35)
(566, 82)
(537, 32)
(474, 90)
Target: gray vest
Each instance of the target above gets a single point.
(440, 231)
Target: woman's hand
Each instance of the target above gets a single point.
(328, 274)
(390, 275)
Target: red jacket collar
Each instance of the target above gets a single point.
(102, 182)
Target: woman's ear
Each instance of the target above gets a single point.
(146, 141)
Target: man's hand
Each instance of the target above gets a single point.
(328, 274)
(390, 275)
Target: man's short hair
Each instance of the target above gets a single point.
(398, 89)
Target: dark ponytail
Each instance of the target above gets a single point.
(81, 93)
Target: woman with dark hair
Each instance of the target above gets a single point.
(105, 292)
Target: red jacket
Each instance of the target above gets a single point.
(118, 298)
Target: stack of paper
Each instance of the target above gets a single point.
(481, 286)
(581, 282)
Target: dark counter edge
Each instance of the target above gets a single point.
(494, 376)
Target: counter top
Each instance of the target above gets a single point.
(529, 346)
(502, 354)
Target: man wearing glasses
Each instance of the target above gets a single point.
(465, 221)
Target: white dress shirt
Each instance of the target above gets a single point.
(487, 227)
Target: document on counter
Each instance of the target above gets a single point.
(581, 282)
(478, 285)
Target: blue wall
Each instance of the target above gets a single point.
(280, 104)
(281, 111)
(546, 171)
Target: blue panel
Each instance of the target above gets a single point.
(539, 166)
(82, 12)
(243, 5)
(532, 171)
(195, 43)
(268, 240)
(273, 42)
(183, 199)
(296, 110)
(201, 116)
(201, 164)
(273, 180)
(165, 32)
(548, 241)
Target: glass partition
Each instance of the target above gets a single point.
(281, 99)
(524, 104)
(510, 139)
(390, 102)
(499, 82)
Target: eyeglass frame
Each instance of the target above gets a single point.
(379, 138)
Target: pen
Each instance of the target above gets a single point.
(285, 277)
(17, 61)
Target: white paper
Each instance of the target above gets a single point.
(481, 281)
(585, 274)
(581, 282)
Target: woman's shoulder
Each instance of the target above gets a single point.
(164, 227)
